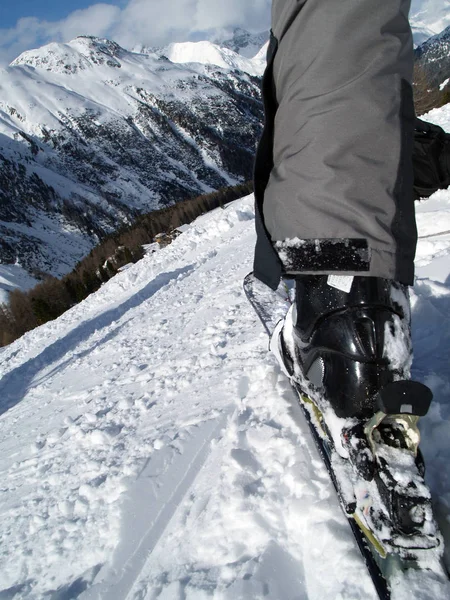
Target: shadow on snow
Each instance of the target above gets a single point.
(16, 383)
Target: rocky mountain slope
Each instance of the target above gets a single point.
(91, 135)
(434, 56)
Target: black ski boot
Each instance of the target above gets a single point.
(347, 353)
(343, 347)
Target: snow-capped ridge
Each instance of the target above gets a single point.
(442, 36)
(241, 41)
(226, 48)
(262, 54)
(99, 133)
(82, 53)
(208, 53)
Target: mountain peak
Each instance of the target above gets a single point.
(242, 41)
(212, 54)
(84, 52)
(85, 145)
(102, 45)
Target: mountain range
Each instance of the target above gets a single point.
(92, 134)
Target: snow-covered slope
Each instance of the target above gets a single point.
(208, 53)
(14, 277)
(151, 448)
(91, 135)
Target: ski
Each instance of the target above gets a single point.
(384, 557)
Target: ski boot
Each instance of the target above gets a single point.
(348, 353)
(343, 347)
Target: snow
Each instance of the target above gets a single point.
(14, 277)
(432, 217)
(151, 448)
(208, 53)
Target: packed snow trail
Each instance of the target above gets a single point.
(151, 448)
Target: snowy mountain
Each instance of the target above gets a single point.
(14, 277)
(434, 56)
(151, 448)
(91, 135)
(237, 40)
(208, 53)
(242, 42)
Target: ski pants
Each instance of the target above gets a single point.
(333, 172)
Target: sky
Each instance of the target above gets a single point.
(26, 24)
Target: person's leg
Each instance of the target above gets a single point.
(339, 194)
(335, 194)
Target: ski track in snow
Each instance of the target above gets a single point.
(150, 448)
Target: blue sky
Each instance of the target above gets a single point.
(26, 24)
(49, 10)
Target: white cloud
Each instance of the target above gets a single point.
(30, 32)
(150, 22)
(156, 23)
(432, 14)
(96, 20)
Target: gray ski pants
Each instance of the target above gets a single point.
(333, 174)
